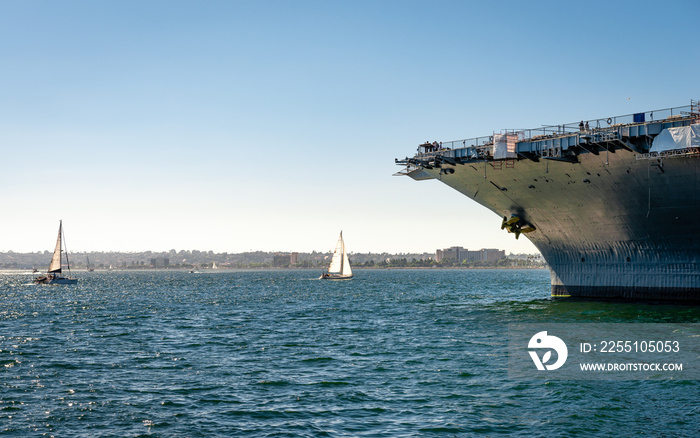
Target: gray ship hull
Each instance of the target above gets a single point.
(630, 231)
(610, 225)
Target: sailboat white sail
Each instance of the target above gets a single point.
(55, 267)
(347, 270)
(339, 268)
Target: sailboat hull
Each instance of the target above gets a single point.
(58, 280)
(335, 277)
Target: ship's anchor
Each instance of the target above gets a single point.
(513, 225)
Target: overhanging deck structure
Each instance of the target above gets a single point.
(633, 132)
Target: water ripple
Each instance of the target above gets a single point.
(401, 353)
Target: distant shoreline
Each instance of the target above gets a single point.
(203, 260)
(360, 268)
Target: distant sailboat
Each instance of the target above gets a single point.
(339, 268)
(89, 268)
(54, 274)
(213, 265)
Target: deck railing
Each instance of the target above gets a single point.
(594, 125)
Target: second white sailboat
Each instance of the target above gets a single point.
(339, 268)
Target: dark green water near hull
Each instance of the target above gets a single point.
(279, 353)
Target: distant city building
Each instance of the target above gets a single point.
(493, 255)
(285, 259)
(456, 253)
(160, 262)
(459, 254)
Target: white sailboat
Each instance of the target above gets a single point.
(339, 268)
(54, 274)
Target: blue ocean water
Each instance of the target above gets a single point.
(391, 353)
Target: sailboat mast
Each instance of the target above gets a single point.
(63, 238)
(342, 256)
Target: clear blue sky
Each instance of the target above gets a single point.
(272, 125)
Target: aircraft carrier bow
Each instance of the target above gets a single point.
(612, 204)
